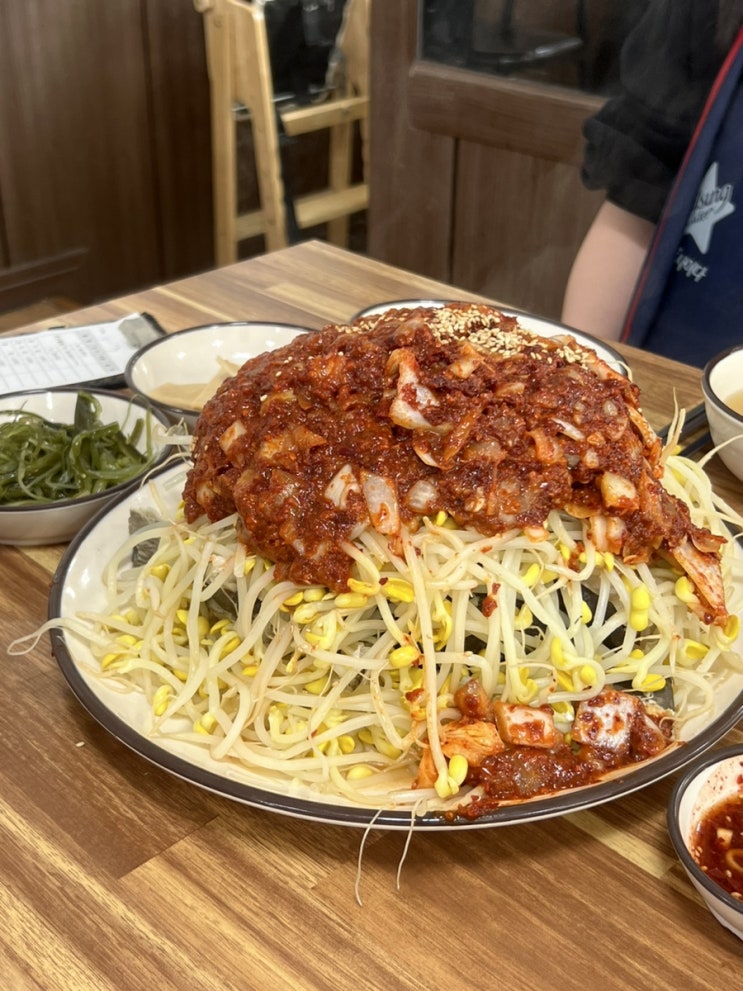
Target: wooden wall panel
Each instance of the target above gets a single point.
(181, 135)
(411, 170)
(104, 145)
(518, 220)
(474, 178)
(75, 159)
(507, 113)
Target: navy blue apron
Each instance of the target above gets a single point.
(688, 303)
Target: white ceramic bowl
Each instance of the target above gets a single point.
(191, 357)
(717, 776)
(722, 381)
(537, 325)
(58, 522)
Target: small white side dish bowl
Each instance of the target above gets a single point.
(30, 524)
(196, 357)
(722, 380)
(715, 777)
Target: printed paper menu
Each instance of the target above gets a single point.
(92, 355)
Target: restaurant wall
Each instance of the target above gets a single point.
(105, 150)
(105, 174)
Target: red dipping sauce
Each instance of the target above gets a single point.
(717, 844)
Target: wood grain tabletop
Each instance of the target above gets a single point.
(117, 875)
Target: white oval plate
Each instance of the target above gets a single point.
(77, 584)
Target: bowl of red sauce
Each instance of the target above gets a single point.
(705, 822)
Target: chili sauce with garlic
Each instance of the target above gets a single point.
(718, 844)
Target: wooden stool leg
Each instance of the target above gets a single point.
(339, 177)
(224, 164)
(254, 87)
(353, 45)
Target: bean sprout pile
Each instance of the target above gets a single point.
(336, 694)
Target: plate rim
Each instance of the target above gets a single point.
(631, 779)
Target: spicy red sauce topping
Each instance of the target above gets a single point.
(455, 409)
(717, 845)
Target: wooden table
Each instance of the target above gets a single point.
(116, 875)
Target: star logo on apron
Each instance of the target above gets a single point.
(713, 203)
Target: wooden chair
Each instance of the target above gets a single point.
(239, 65)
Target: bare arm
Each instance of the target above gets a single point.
(605, 271)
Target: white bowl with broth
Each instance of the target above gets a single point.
(178, 373)
(722, 385)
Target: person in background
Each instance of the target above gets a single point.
(661, 267)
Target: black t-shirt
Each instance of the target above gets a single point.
(637, 141)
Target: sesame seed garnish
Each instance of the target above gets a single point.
(483, 327)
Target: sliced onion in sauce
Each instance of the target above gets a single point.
(381, 501)
(422, 496)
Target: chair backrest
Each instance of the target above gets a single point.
(239, 65)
